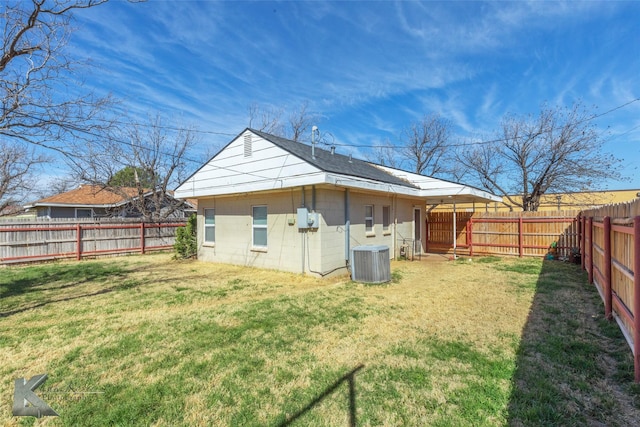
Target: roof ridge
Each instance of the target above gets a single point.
(332, 162)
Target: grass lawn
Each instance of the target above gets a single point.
(146, 340)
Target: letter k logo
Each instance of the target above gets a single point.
(25, 401)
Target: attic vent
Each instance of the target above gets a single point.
(247, 145)
(370, 264)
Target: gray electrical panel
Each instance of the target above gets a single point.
(307, 220)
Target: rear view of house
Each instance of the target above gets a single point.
(270, 202)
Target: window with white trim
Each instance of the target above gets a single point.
(368, 218)
(209, 225)
(386, 218)
(259, 215)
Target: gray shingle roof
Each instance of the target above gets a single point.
(334, 163)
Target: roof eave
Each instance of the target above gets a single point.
(464, 194)
(370, 185)
(317, 178)
(68, 205)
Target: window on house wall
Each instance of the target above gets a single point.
(84, 213)
(209, 225)
(386, 218)
(260, 226)
(368, 218)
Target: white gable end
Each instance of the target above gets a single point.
(249, 163)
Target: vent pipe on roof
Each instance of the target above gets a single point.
(333, 151)
(350, 158)
(314, 131)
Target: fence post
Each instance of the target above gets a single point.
(470, 235)
(590, 249)
(583, 255)
(607, 268)
(426, 243)
(78, 242)
(520, 248)
(577, 236)
(636, 298)
(142, 237)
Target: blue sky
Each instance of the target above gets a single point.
(369, 69)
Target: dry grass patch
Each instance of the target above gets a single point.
(191, 343)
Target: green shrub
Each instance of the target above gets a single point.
(185, 245)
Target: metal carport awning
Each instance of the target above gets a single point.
(436, 191)
(464, 195)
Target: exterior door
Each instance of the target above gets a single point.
(417, 233)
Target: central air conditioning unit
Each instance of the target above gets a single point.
(370, 264)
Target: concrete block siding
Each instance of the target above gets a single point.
(288, 248)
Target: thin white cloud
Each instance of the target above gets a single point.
(375, 65)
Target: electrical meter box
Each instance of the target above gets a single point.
(313, 220)
(307, 220)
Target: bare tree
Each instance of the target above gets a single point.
(267, 120)
(54, 186)
(300, 123)
(426, 145)
(386, 155)
(17, 164)
(559, 150)
(33, 58)
(155, 152)
(297, 127)
(36, 105)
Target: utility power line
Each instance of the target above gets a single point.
(490, 141)
(211, 132)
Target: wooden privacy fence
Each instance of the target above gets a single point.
(607, 239)
(27, 241)
(611, 257)
(504, 233)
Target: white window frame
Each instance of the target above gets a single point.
(386, 225)
(209, 226)
(255, 227)
(369, 230)
(84, 209)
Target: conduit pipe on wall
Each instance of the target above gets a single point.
(394, 214)
(302, 232)
(347, 228)
(313, 198)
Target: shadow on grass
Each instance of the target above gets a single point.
(35, 279)
(350, 378)
(573, 366)
(44, 303)
(37, 286)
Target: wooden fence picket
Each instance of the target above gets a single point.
(607, 240)
(28, 241)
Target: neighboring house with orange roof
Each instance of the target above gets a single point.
(93, 201)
